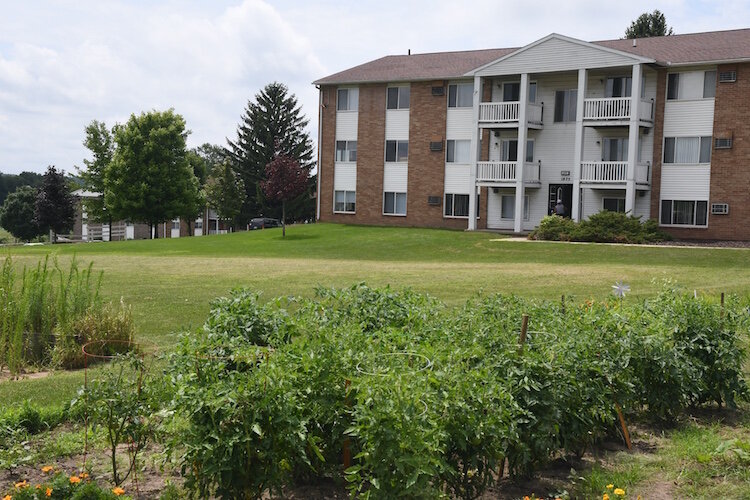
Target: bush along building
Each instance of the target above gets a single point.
(499, 138)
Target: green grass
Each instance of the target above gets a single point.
(170, 283)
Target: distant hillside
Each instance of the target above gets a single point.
(11, 182)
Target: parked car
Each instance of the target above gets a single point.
(263, 223)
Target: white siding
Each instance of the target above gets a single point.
(394, 177)
(494, 216)
(457, 179)
(557, 54)
(459, 123)
(685, 182)
(346, 125)
(643, 205)
(345, 177)
(537, 207)
(689, 118)
(397, 124)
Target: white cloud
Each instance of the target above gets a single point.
(63, 64)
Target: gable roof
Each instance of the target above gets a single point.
(434, 66)
(545, 54)
(714, 46)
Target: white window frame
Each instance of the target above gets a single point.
(345, 192)
(175, 224)
(620, 200)
(695, 214)
(701, 139)
(515, 139)
(526, 208)
(397, 157)
(620, 140)
(455, 86)
(680, 90)
(349, 148)
(399, 98)
(349, 91)
(448, 149)
(395, 204)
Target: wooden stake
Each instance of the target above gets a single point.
(624, 426)
(562, 300)
(722, 305)
(524, 329)
(347, 453)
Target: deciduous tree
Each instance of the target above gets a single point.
(55, 204)
(17, 214)
(100, 142)
(648, 25)
(225, 192)
(272, 124)
(285, 180)
(150, 179)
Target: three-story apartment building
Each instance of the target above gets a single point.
(499, 138)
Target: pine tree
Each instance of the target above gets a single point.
(648, 25)
(273, 124)
(55, 204)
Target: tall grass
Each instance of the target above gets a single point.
(34, 314)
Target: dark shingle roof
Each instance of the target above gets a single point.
(675, 49)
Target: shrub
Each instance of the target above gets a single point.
(554, 228)
(602, 227)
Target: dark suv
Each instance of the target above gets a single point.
(263, 223)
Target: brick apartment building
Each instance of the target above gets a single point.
(499, 138)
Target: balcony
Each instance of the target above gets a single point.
(613, 172)
(504, 172)
(505, 114)
(616, 111)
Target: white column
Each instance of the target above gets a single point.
(475, 154)
(521, 159)
(633, 146)
(575, 209)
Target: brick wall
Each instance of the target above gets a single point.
(661, 99)
(730, 168)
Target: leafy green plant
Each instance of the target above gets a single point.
(602, 227)
(64, 487)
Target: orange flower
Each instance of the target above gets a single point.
(75, 479)
(47, 468)
(39, 486)
(22, 484)
(118, 491)
(7, 497)
(83, 475)
(48, 492)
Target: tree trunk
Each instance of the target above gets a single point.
(283, 219)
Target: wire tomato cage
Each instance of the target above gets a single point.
(100, 351)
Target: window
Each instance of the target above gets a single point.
(510, 150)
(508, 207)
(396, 151)
(532, 92)
(199, 223)
(511, 92)
(457, 205)
(346, 151)
(565, 105)
(673, 86)
(684, 213)
(398, 98)
(344, 201)
(394, 203)
(614, 204)
(461, 95)
(619, 86)
(176, 224)
(709, 84)
(458, 151)
(687, 150)
(615, 149)
(347, 100)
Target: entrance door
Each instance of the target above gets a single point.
(562, 192)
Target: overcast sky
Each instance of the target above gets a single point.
(65, 63)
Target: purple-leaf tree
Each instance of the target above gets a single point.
(285, 180)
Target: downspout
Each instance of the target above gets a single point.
(320, 135)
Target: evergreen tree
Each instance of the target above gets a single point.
(55, 204)
(273, 124)
(17, 214)
(648, 25)
(100, 142)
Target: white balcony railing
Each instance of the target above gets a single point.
(615, 108)
(613, 171)
(498, 112)
(505, 171)
(534, 113)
